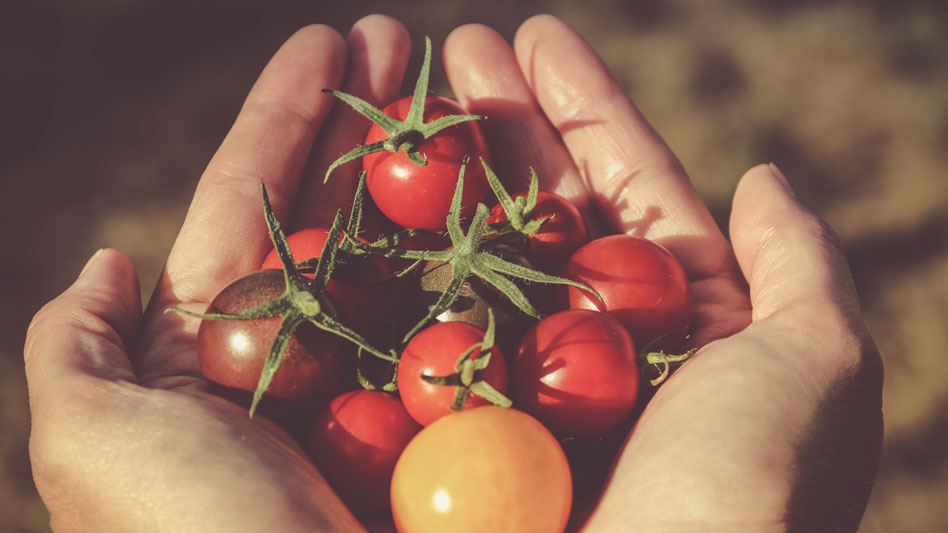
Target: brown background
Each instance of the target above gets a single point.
(109, 112)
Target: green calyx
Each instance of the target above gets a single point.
(519, 211)
(471, 255)
(467, 377)
(301, 301)
(405, 136)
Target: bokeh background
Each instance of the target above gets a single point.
(111, 109)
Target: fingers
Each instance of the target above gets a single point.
(379, 47)
(487, 80)
(787, 254)
(224, 234)
(84, 333)
(639, 182)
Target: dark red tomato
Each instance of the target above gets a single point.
(355, 442)
(434, 352)
(231, 352)
(642, 284)
(358, 291)
(558, 238)
(416, 196)
(576, 372)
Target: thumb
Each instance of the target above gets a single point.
(787, 254)
(85, 331)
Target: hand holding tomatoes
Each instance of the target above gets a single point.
(122, 415)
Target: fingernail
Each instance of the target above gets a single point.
(781, 179)
(91, 260)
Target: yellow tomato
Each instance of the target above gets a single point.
(485, 469)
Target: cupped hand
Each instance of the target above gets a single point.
(776, 422)
(125, 436)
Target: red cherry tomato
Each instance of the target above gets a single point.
(419, 196)
(356, 290)
(304, 245)
(485, 469)
(641, 283)
(231, 352)
(576, 372)
(558, 238)
(355, 442)
(434, 352)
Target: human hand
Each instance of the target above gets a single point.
(125, 435)
(776, 423)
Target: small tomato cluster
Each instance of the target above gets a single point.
(465, 359)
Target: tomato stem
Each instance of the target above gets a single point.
(472, 254)
(467, 375)
(405, 136)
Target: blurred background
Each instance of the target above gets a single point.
(110, 110)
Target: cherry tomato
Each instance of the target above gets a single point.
(576, 372)
(364, 292)
(231, 352)
(557, 239)
(641, 283)
(486, 469)
(355, 442)
(434, 352)
(419, 196)
(308, 244)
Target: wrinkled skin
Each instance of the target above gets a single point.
(774, 425)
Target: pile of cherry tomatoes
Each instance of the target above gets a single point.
(443, 361)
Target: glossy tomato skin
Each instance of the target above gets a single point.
(557, 239)
(416, 196)
(364, 295)
(355, 442)
(434, 352)
(231, 352)
(576, 371)
(486, 469)
(641, 283)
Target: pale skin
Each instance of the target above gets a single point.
(775, 424)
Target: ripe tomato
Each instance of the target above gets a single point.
(576, 371)
(416, 196)
(304, 245)
(356, 290)
(641, 283)
(434, 352)
(231, 352)
(355, 442)
(486, 469)
(308, 244)
(557, 239)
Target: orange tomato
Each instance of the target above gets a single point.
(485, 469)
